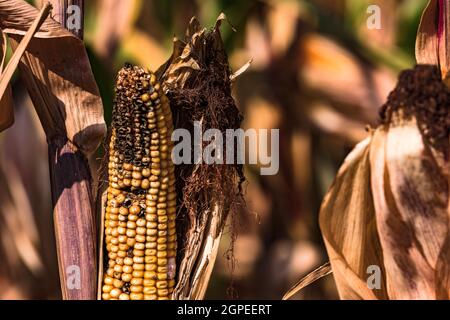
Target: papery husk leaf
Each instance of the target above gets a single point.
(183, 60)
(432, 46)
(426, 40)
(347, 221)
(241, 70)
(206, 249)
(400, 191)
(419, 190)
(310, 278)
(443, 43)
(58, 76)
(443, 270)
(411, 205)
(400, 254)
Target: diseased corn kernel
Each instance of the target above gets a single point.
(140, 236)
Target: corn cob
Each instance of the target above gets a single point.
(140, 233)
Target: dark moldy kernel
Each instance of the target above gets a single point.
(127, 203)
(130, 253)
(421, 93)
(126, 288)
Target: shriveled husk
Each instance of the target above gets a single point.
(388, 206)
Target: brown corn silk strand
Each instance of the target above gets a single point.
(197, 80)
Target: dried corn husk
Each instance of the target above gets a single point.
(388, 206)
(198, 70)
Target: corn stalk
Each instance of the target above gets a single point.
(72, 197)
(58, 77)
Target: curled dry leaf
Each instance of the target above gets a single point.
(6, 101)
(14, 61)
(315, 275)
(427, 40)
(347, 221)
(56, 70)
(432, 46)
(388, 206)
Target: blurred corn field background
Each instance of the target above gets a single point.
(317, 73)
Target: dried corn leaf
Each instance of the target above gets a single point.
(17, 16)
(432, 46)
(356, 90)
(115, 21)
(347, 221)
(207, 238)
(14, 61)
(443, 270)
(58, 76)
(310, 278)
(6, 101)
(427, 41)
(443, 35)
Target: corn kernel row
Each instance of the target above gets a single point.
(140, 234)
